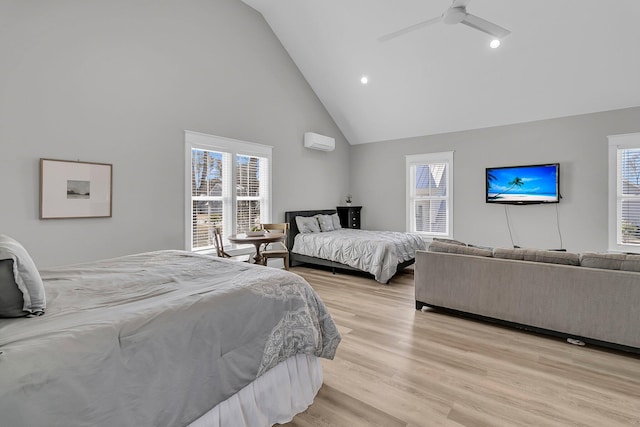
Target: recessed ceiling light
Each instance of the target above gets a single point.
(495, 43)
(364, 80)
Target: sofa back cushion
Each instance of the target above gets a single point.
(610, 261)
(553, 257)
(508, 253)
(602, 260)
(452, 248)
(450, 241)
(631, 263)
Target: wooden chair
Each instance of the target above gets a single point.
(217, 238)
(277, 249)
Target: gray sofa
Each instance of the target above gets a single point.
(594, 305)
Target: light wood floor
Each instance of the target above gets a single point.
(397, 366)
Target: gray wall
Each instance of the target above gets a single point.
(118, 82)
(578, 143)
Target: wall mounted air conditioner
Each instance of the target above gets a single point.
(319, 142)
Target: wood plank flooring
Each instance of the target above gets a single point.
(400, 367)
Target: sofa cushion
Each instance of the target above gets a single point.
(471, 250)
(553, 257)
(450, 241)
(489, 248)
(439, 246)
(631, 263)
(602, 260)
(451, 248)
(508, 253)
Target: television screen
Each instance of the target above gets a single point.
(520, 185)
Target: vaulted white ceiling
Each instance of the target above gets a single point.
(562, 58)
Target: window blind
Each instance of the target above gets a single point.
(431, 198)
(210, 173)
(628, 196)
(228, 187)
(251, 191)
(429, 193)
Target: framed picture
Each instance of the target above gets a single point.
(71, 189)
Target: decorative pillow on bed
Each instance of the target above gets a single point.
(336, 221)
(11, 301)
(326, 222)
(307, 224)
(24, 276)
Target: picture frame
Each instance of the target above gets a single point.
(75, 189)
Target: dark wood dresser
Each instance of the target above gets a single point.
(349, 216)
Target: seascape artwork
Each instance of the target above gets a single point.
(78, 189)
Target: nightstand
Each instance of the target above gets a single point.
(349, 216)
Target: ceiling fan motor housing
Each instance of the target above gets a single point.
(454, 15)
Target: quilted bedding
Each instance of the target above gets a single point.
(153, 339)
(376, 252)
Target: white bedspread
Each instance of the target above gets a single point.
(376, 252)
(154, 339)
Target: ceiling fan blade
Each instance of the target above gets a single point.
(460, 3)
(409, 29)
(485, 26)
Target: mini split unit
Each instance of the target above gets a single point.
(319, 142)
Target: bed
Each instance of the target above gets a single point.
(166, 338)
(377, 253)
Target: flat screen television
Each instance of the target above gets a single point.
(523, 185)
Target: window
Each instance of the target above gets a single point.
(228, 185)
(624, 192)
(430, 194)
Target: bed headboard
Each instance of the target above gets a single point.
(290, 217)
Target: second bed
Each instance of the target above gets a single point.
(379, 253)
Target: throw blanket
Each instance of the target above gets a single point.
(376, 252)
(153, 339)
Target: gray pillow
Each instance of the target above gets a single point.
(336, 221)
(11, 301)
(307, 224)
(325, 221)
(25, 275)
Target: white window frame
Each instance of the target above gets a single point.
(233, 148)
(616, 142)
(414, 160)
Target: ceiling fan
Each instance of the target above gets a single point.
(455, 14)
